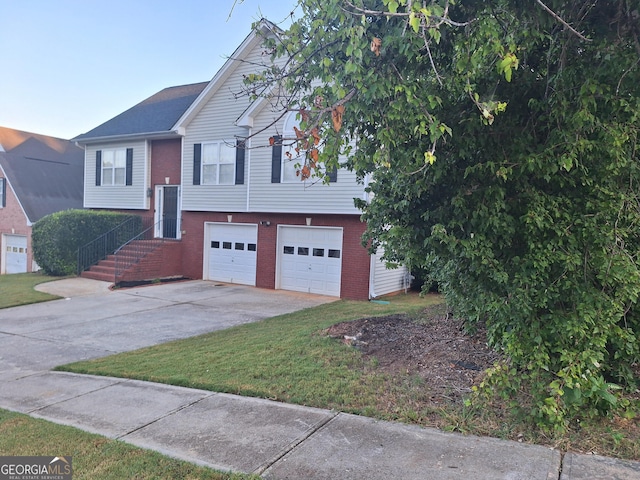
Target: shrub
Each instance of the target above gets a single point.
(57, 237)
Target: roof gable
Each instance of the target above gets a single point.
(45, 173)
(256, 37)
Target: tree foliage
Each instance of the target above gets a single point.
(501, 139)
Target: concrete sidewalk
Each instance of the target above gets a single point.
(228, 432)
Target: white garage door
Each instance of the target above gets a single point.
(230, 252)
(15, 253)
(310, 259)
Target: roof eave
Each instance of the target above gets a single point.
(162, 135)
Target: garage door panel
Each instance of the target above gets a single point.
(310, 259)
(232, 253)
(15, 253)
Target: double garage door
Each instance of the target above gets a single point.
(308, 259)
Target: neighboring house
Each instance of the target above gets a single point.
(39, 175)
(239, 214)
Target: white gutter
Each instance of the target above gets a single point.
(166, 134)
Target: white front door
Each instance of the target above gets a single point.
(231, 252)
(14, 256)
(310, 259)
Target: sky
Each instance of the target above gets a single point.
(67, 66)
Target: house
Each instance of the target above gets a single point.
(39, 175)
(230, 211)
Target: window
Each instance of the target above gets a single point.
(114, 166)
(3, 195)
(288, 157)
(291, 160)
(226, 245)
(289, 250)
(218, 163)
(251, 247)
(303, 251)
(318, 252)
(215, 244)
(333, 253)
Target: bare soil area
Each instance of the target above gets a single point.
(435, 347)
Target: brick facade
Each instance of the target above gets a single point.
(355, 258)
(14, 222)
(165, 162)
(186, 256)
(164, 262)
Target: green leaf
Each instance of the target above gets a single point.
(414, 21)
(393, 6)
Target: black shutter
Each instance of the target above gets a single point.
(197, 161)
(240, 154)
(276, 159)
(129, 172)
(98, 168)
(3, 198)
(333, 174)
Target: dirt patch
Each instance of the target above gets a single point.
(436, 348)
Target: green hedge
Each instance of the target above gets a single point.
(55, 239)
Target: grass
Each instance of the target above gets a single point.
(17, 289)
(284, 358)
(94, 456)
(288, 359)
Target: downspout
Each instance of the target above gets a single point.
(372, 277)
(372, 258)
(247, 157)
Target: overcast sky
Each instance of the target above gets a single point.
(69, 65)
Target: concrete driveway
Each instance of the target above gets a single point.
(226, 431)
(93, 321)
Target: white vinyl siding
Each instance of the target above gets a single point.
(132, 196)
(214, 121)
(311, 196)
(217, 120)
(387, 280)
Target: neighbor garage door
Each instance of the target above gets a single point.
(15, 253)
(230, 251)
(310, 259)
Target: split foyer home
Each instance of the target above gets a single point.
(227, 206)
(39, 175)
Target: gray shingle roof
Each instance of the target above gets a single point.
(46, 173)
(158, 113)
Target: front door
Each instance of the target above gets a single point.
(167, 219)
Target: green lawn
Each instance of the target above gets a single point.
(284, 358)
(94, 456)
(288, 359)
(17, 289)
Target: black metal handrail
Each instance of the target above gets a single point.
(107, 243)
(132, 251)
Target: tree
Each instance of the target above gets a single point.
(502, 139)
